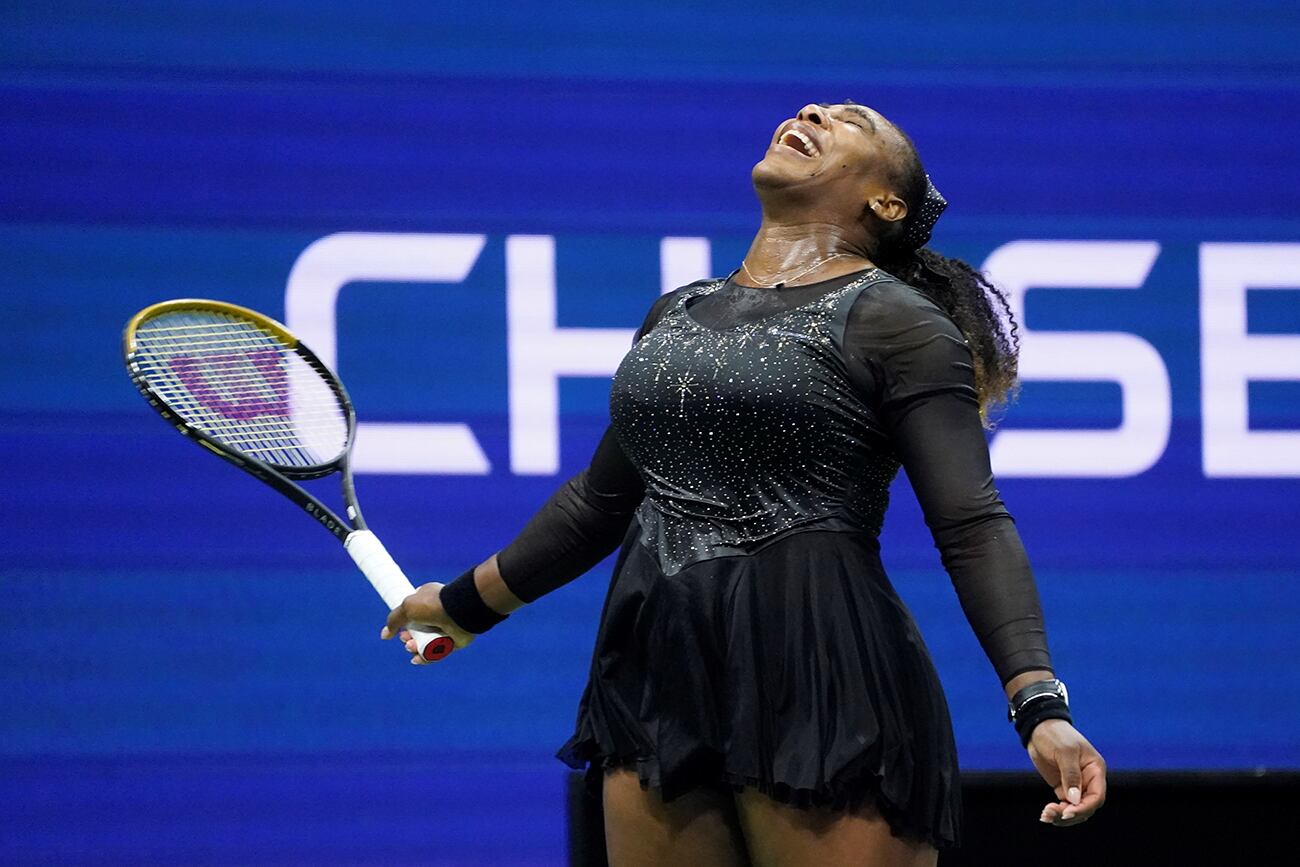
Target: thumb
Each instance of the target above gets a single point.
(396, 620)
(1067, 761)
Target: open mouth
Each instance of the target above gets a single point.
(800, 142)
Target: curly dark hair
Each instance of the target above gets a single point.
(976, 306)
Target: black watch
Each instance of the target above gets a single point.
(1036, 692)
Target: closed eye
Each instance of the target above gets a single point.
(859, 118)
(855, 119)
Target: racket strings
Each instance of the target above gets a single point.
(243, 411)
(243, 386)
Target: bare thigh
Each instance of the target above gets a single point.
(699, 827)
(780, 835)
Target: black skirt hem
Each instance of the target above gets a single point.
(850, 790)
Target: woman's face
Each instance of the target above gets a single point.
(831, 157)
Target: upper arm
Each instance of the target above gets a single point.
(919, 376)
(902, 346)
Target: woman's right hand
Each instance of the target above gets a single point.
(1072, 767)
(423, 608)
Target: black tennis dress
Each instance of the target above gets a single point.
(750, 636)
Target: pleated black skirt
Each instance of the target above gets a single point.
(795, 670)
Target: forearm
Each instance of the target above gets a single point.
(575, 529)
(582, 523)
(995, 585)
(578, 527)
(493, 588)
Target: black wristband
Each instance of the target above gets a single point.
(1038, 711)
(463, 604)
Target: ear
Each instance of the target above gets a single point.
(888, 207)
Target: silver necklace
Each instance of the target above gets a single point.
(809, 269)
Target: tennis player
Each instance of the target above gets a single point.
(758, 692)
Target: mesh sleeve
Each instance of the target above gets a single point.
(581, 524)
(912, 363)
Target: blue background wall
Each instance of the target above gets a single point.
(189, 670)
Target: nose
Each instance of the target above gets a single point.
(814, 114)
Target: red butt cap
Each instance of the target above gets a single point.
(438, 648)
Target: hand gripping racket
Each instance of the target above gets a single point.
(242, 386)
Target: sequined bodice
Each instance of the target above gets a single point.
(746, 433)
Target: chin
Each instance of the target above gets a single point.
(777, 178)
(769, 172)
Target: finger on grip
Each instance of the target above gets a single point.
(388, 579)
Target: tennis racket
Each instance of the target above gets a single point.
(242, 386)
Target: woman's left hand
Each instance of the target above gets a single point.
(1072, 767)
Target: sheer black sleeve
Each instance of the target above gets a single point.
(584, 521)
(912, 363)
(581, 524)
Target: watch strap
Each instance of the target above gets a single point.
(1036, 692)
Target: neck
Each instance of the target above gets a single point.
(784, 249)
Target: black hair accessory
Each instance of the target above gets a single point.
(917, 227)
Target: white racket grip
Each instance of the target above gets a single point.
(374, 561)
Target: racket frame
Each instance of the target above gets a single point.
(283, 479)
(280, 477)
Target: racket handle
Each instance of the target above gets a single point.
(374, 561)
